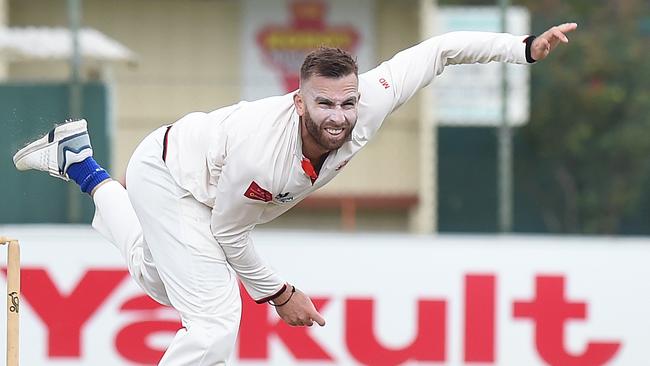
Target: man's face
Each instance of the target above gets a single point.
(328, 108)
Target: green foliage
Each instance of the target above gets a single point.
(585, 161)
(590, 121)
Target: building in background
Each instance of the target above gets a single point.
(200, 55)
(194, 56)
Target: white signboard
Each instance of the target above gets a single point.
(388, 300)
(277, 34)
(470, 95)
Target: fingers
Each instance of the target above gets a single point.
(567, 27)
(559, 35)
(300, 311)
(306, 322)
(309, 321)
(318, 319)
(548, 40)
(560, 30)
(303, 322)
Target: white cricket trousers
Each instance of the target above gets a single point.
(164, 235)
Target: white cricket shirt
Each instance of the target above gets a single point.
(245, 160)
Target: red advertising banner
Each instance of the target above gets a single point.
(388, 300)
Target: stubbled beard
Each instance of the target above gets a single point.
(321, 136)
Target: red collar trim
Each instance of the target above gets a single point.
(309, 169)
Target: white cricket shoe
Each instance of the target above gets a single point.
(65, 145)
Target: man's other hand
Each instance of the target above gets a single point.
(299, 310)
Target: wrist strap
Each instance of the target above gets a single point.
(529, 42)
(293, 290)
(272, 297)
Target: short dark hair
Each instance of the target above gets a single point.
(328, 62)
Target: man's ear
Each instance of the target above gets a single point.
(299, 103)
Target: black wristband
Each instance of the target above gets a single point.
(529, 42)
(293, 290)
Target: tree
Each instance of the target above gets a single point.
(587, 160)
(590, 117)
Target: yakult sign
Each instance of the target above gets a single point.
(388, 300)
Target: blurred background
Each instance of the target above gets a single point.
(579, 149)
(558, 148)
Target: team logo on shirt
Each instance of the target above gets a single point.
(255, 192)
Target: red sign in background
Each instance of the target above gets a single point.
(284, 46)
(388, 300)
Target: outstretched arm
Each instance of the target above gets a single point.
(395, 81)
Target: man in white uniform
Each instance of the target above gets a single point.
(198, 187)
